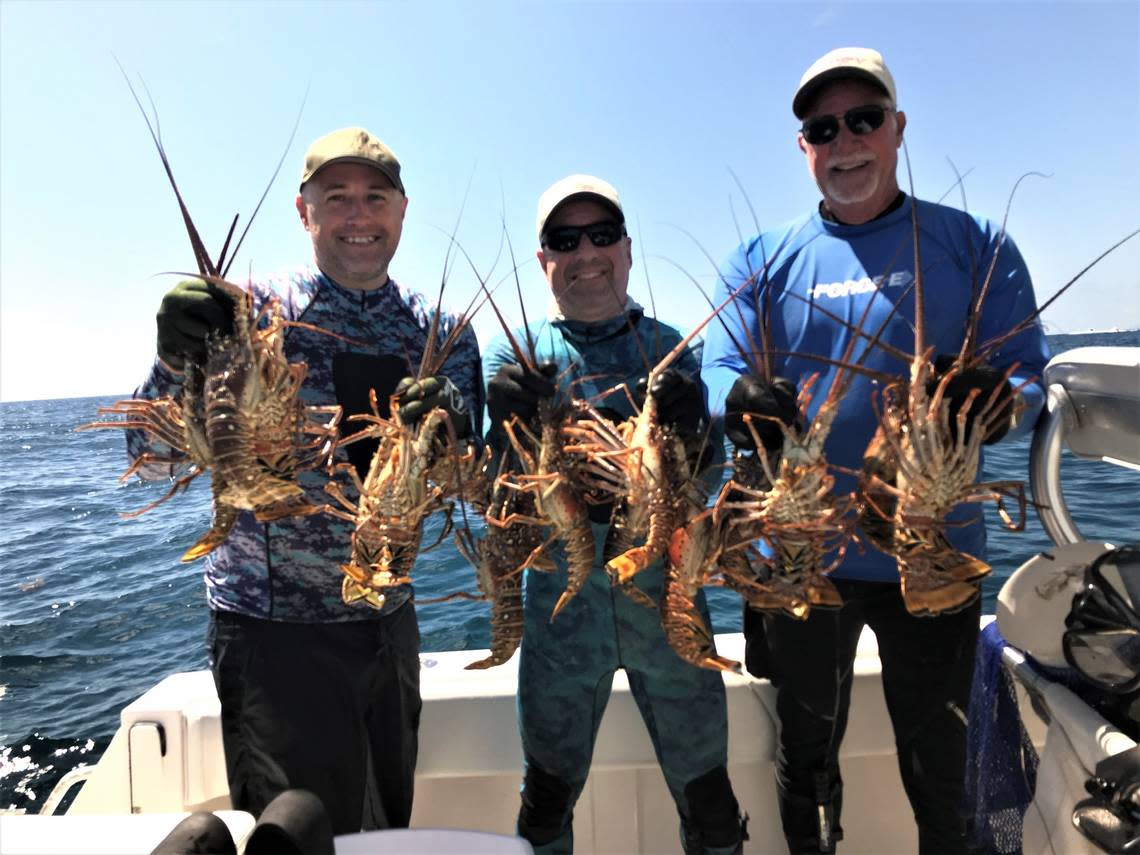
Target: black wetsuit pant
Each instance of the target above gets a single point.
(331, 708)
(927, 666)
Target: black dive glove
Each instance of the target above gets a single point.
(189, 312)
(763, 401)
(515, 390)
(417, 398)
(680, 401)
(985, 379)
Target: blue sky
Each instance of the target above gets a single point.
(492, 102)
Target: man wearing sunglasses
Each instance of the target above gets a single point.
(318, 693)
(809, 282)
(598, 344)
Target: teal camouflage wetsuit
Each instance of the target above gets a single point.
(316, 693)
(566, 666)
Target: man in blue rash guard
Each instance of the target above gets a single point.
(595, 338)
(856, 249)
(318, 694)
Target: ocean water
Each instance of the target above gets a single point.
(95, 609)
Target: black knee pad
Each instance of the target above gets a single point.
(713, 810)
(546, 805)
(199, 833)
(294, 823)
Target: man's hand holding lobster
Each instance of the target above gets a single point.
(416, 398)
(191, 311)
(516, 391)
(993, 397)
(766, 403)
(680, 402)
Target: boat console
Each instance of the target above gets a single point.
(1093, 408)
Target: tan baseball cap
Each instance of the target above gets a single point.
(573, 187)
(352, 145)
(857, 62)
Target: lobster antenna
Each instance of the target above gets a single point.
(530, 344)
(1020, 327)
(428, 358)
(747, 200)
(755, 358)
(745, 354)
(201, 256)
(226, 242)
(959, 184)
(762, 285)
(628, 321)
(919, 291)
(969, 343)
(648, 290)
(272, 178)
(519, 354)
(875, 337)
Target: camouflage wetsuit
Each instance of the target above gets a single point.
(316, 693)
(566, 666)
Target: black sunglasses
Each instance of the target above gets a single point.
(820, 130)
(567, 238)
(1102, 641)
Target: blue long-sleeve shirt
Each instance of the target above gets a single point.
(793, 273)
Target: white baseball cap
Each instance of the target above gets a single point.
(857, 62)
(573, 187)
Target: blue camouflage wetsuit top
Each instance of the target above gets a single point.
(927, 662)
(288, 570)
(317, 694)
(566, 666)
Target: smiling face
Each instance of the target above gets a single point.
(855, 174)
(589, 283)
(354, 216)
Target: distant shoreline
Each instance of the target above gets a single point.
(1095, 332)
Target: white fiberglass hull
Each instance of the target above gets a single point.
(167, 757)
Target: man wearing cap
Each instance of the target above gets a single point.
(854, 259)
(596, 338)
(318, 694)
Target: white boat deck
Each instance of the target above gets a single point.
(167, 757)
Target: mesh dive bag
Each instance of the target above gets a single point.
(1001, 763)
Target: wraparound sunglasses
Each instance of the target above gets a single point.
(820, 130)
(567, 238)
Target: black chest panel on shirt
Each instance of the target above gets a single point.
(354, 375)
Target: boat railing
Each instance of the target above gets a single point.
(71, 780)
